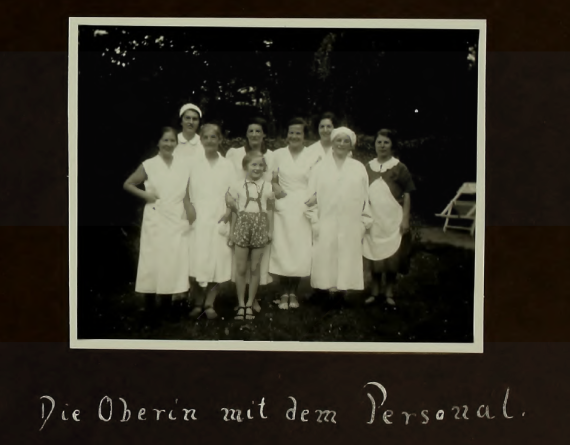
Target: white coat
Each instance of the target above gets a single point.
(340, 219)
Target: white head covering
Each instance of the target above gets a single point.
(187, 107)
(344, 130)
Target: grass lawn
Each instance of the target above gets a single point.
(435, 304)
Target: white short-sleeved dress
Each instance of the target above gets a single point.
(163, 258)
(210, 255)
(292, 235)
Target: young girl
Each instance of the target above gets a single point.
(163, 258)
(256, 133)
(210, 256)
(253, 228)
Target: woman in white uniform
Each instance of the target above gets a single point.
(189, 146)
(292, 238)
(387, 245)
(255, 141)
(210, 257)
(339, 218)
(323, 147)
(189, 139)
(163, 259)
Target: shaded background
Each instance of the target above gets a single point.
(526, 256)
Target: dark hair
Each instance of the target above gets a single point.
(249, 156)
(263, 124)
(299, 121)
(328, 115)
(213, 124)
(391, 134)
(165, 130)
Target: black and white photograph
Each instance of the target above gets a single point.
(277, 184)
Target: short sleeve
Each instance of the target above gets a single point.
(405, 180)
(147, 165)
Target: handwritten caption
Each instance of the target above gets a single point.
(118, 409)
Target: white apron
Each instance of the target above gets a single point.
(292, 237)
(210, 256)
(342, 211)
(163, 258)
(384, 237)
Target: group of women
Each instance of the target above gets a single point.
(256, 214)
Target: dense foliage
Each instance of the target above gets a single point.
(132, 81)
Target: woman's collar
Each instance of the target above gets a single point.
(381, 168)
(182, 139)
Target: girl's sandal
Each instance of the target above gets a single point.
(293, 302)
(210, 312)
(249, 313)
(284, 304)
(256, 306)
(238, 315)
(370, 300)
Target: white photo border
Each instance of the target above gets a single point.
(232, 345)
